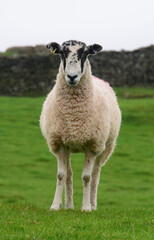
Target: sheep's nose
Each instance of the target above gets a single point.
(72, 77)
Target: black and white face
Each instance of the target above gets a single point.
(73, 56)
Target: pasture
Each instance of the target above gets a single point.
(28, 176)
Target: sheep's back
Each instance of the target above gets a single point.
(109, 106)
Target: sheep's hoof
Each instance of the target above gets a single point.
(86, 209)
(71, 206)
(55, 207)
(93, 207)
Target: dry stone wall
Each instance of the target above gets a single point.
(31, 71)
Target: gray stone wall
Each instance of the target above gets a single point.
(31, 71)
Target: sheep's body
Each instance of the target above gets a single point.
(87, 115)
(85, 118)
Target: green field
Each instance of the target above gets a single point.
(28, 176)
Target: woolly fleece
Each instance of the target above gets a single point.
(87, 115)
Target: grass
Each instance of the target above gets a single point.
(134, 92)
(29, 222)
(28, 177)
(8, 54)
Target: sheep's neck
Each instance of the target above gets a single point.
(81, 92)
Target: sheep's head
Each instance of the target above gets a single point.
(73, 56)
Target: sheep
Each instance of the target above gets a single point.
(80, 114)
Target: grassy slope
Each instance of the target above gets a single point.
(22, 222)
(28, 178)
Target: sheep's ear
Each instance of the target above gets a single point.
(94, 49)
(54, 47)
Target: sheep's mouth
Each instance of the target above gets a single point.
(72, 83)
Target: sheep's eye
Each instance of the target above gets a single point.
(80, 53)
(65, 52)
(63, 60)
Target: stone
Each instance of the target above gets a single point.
(31, 71)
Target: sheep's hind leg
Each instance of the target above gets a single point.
(69, 186)
(62, 156)
(86, 178)
(101, 159)
(94, 183)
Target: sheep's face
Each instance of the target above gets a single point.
(73, 56)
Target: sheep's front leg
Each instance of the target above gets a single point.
(69, 186)
(62, 155)
(86, 178)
